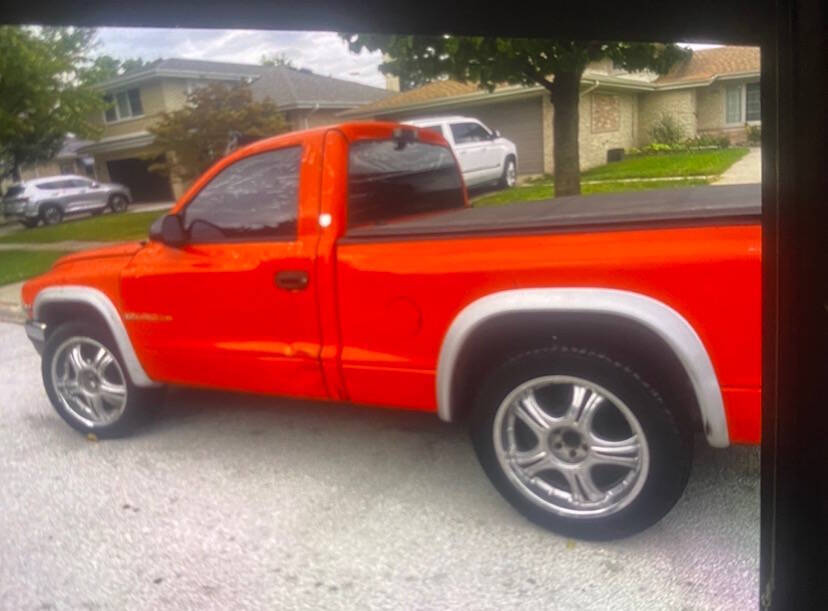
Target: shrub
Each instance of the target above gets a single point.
(723, 142)
(666, 130)
(753, 133)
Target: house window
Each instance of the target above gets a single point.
(123, 105)
(752, 112)
(733, 112)
(742, 104)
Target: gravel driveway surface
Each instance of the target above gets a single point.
(248, 502)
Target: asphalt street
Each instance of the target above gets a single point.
(228, 501)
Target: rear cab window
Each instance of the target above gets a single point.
(390, 179)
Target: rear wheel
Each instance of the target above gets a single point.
(580, 443)
(118, 203)
(87, 382)
(51, 214)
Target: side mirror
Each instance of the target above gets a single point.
(169, 230)
(496, 134)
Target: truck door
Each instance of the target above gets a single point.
(235, 307)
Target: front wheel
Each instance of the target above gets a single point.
(509, 177)
(87, 382)
(580, 444)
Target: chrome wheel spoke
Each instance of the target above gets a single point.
(583, 488)
(530, 412)
(103, 359)
(96, 406)
(585, 403)
(535, 462)
(114, 393)
(624, 453)
(75, 359)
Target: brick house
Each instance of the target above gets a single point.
(715, 92)
(126, 149)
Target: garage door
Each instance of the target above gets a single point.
(519, 121)
(146, 186)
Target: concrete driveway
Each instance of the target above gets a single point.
(243, 502)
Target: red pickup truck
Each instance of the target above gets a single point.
(584, 340)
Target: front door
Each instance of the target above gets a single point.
(235, 307)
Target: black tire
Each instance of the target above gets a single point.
(30, 223)
(508, 178)
(118, 203)
(667, 432)
(51, 214)
(139, 401)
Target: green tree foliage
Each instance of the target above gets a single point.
(277, 59)
(491, 61)
(106, 67)
(198, 134)
(46, 78)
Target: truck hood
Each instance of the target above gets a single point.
(119, 250)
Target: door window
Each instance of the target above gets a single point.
(469, 132)
(255, 198)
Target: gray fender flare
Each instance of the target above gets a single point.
(98, 300)
(655, 315)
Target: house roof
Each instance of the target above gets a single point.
(702, 68)
(707, 64)
(292, 88)
(184, 68)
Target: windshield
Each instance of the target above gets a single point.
(14, 191)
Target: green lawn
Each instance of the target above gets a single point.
(546, 190)
(103, 228)
(694, 163)
(17, 265)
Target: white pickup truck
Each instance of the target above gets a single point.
(484, 155)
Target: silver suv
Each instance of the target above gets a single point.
(50, 199)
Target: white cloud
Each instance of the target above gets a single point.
(323, 52)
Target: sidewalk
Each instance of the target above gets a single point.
(745, 171)
(67, 246)
(10, 310)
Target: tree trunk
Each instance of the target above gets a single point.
(565, 94)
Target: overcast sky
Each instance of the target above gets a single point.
(323, 52)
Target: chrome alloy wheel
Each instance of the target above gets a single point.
(89, 381)
(571, 447)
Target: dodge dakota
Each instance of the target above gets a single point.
(584, 341)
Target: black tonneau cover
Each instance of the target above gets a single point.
(669, 207)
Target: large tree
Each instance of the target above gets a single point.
(46, 77)
(490, 61)
(198, 134)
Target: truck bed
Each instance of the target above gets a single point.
(720, 205)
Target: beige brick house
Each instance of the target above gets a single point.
(714, 92)
(126, 148)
